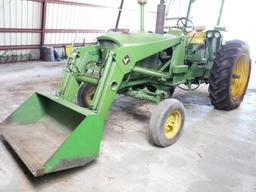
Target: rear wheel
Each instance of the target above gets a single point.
(166, 122)
(85, 95)
(230, 75)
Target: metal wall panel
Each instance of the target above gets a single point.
(66, 22)
(61, 16)
(19, 38)
(112, 3)
(19, 15)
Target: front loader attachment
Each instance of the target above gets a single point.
(50, 134)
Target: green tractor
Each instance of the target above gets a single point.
(56, 132)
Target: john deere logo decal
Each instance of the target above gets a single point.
(126, 60)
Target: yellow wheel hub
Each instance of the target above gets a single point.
(172, 124)
(240, 75)
(89, 96)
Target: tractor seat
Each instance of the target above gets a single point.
(200, 28)
(198, 36)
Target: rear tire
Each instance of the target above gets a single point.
(230, 75)
(166, 122)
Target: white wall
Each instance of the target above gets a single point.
(27, 14)
(130, 18)
(238, 16)
(177, 8)
(79, 17)
(19, 14)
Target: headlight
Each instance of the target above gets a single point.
(209, 34)
(217, 34)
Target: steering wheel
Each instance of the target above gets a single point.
(185, 24)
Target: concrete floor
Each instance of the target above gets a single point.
(216, 153)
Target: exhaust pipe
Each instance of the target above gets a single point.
(160, 19)
(142, 4)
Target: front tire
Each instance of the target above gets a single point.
(85, 95)
(166, 122)
(230, 75)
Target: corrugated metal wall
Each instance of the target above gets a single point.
(82, 22)
(21, 21)
(94, 18)
(61, 16)
(23, 15)
(17, 15)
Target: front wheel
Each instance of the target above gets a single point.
(166, 122)
(230, 75)
(85, 95)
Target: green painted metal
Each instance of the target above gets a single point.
(141, 65)
(74, 131)
(142, 17)
(147, 95)
(189, 9)
(150, 72)
(221, 11)
(103, 80)
(180, 69)
(90, 80)
(81, 147)
(142, 40)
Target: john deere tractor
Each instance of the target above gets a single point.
(61, 131)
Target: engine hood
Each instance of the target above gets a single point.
(137, 39)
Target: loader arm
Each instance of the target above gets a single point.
(121, 53)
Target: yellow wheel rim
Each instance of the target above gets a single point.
(239, 77)
(89, 96)
(172, 124)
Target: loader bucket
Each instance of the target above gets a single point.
(50, 134)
